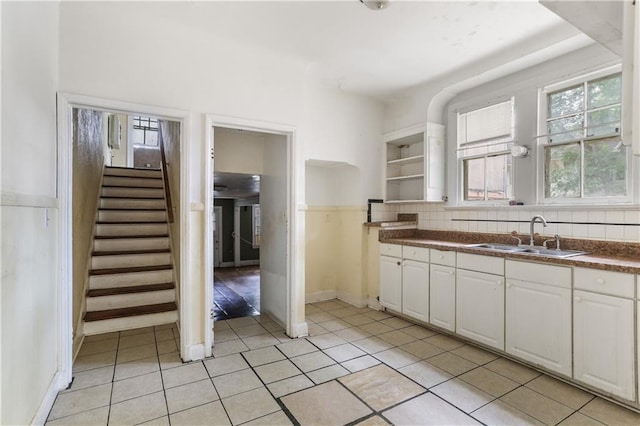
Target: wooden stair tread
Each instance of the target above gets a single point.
(122, 252)
(132, 168)
(129, 290)
(134, 177)
(117, 237)
(150, 268)
(123, 197)
(131, 187)
(120, 222)
(133, 209)
(128, 312)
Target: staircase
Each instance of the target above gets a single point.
(131, 282)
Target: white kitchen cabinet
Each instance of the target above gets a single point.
(480, 307)
(391, 283)
(415, 289)
(442, 296)
(414, 168)
(603, 342)
(538, 314)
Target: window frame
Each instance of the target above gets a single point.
(541, 143)
(460, 159)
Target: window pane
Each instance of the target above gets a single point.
(151, 138)
(561, 129)
(605, 91)
(474, 179)
(499, 184)
(137, 137)
(562, 171)
(605, 168)
(604, 121)
(566, 102)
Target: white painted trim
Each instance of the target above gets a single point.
(351, 299)
(295, 270)
(58, 382)
(27, 200)
(320, 296)
(208, 239)
(66, 102)
(196, 351)
(218, 215)
(300, 329)
(374, 304)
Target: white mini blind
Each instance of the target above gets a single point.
(485, 125)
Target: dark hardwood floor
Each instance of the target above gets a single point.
(236, 292)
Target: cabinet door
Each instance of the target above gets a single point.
(442, 297)
(415, 289)
(538, 324)
(391, 283)
(480, 307)
(603, 343)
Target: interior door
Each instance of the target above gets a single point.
(274, 196)
(217, 233)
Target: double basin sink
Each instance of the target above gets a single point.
(525, 249)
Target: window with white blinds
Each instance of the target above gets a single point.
(486, 127)
(485, 136)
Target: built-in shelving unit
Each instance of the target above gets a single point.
(414, 164)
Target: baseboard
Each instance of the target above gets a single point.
(249, 262)
(360, 302)
(227, 264)
(320, 296)
(300, 329)
(195, 352)
(374, 303)
(58, 383)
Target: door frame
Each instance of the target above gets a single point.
(66, 102)
(295, 292)
(218, 220)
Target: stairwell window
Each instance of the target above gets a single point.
(485, 137)
(145, 131)
(582, 152)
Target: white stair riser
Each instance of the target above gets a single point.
(131, 203)
(130, 279)
(133, 192)
(131, 181)
(122, 244)
(130, 260)
(132, 216)
(129, 323)
(108, 230)
(103, 303)
(132, 172)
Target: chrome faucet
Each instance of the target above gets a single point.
(533, 222)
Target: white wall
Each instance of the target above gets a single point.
(183, 67)
(28, 189)
(238, 151)
(594, 222)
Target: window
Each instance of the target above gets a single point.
(145, 131)
(583, 155)
(485, 137)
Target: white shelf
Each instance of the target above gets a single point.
(408, 160)
(401, 178)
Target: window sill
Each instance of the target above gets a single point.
(543, 207)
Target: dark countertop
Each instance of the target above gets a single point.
(608, 262)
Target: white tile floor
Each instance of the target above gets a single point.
(358, 366)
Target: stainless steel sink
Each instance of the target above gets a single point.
(524, 249)
(496, 246)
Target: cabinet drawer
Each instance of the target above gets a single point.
(559, 276)
(605, 282)
(480, 263)
(440, 257)
(420, 254)
(394, 250)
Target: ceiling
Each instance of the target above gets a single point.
(235, 185)
(382, 53)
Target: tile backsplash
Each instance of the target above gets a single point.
(621, 224)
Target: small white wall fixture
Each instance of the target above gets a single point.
(66, 103)
(295, 273)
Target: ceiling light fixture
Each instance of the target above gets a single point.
(376, 4)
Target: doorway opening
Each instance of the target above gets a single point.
(236, 245)
(264, 150)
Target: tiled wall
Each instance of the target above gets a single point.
(621, 224)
